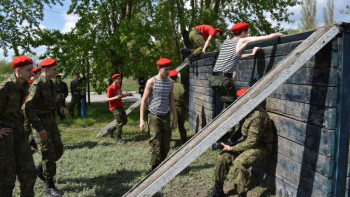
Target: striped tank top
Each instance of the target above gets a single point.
(228, 59)
(158, 103)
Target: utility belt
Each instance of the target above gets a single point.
(46, 116)
(222, 74)
(163, 116)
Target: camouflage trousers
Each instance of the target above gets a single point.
(76, 101)
(121, 118)
(239, 163)
(197, 41)
(224, 87)
(181, 118)
(50, 149)
(16, 159)
(160, 137)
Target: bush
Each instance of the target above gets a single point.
(5, 67)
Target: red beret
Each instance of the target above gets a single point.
(21, 61)
(241, 92)
(36, 70)
(239, 27)
(173, 73)
(219, 30)
(115, 76)
(164, 62)
(48, 62)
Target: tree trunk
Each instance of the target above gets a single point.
(217, 6)
(184, 32)
(173, 27)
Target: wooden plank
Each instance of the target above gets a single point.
(199, 82)
(282, 187)
(315, 95)
(308, 158)
(313, 114)
(202, 90)
(206, 98)
(315, 138)
(193, 100)
(304, 76)
(203, 69)
(232, 115)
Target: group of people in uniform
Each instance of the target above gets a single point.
(38, 102)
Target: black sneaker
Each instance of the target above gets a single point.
(119, 139)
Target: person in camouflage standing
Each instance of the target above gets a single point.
(15, 154)
(159, 91)
(180, 102)
(28, 129)
(40, 109)
(62, 93)
(75, 90)
(114, 98)
(257, 143)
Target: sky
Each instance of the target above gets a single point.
(56, 18)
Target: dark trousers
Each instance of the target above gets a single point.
(76, 101)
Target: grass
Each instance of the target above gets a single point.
(101, 167)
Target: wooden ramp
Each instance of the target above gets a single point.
(199, 143)
(135, 105)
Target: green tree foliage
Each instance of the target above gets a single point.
(328, 13)
(128, 36)
(308, 15)
(18, 21)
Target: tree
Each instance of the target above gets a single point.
(308, 15)
(346, 10)
(328, 13)
(18, 20)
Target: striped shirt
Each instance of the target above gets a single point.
(228, 59)
(158, 103)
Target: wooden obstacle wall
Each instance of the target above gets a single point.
(303, 109)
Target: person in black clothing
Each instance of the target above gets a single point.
(75, 88)
(62, 93)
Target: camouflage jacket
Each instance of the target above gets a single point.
(256, 131)
(76, 86)
(41, 100)
(12, 96)
(61, 88)
(179, 94)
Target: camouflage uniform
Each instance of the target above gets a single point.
(76, 96)
(197, 41)
(15, 155)
(160, 137)
(224, 87)
(257, 144)
(40, 110)
(61, 89)
(121, 118)
(181, 108)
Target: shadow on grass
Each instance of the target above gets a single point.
(105, 185)
(196, 168)
(87, 144)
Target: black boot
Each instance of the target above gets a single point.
(39, 171)
(110, 132)
(119, 139)
(32, 143)
(218, 190)
(51, 189)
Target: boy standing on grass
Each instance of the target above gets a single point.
(15, 155)
(40, 109)
(159, 93)
(114, 97)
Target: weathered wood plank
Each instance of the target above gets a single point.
(199, 82)
(202, 90)
(308, 158)
(313, 114)
(315, 138)
(206, 98)
(315, 95)
(203, 69)
(304, 76)
(204, 61)
(200, 102)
